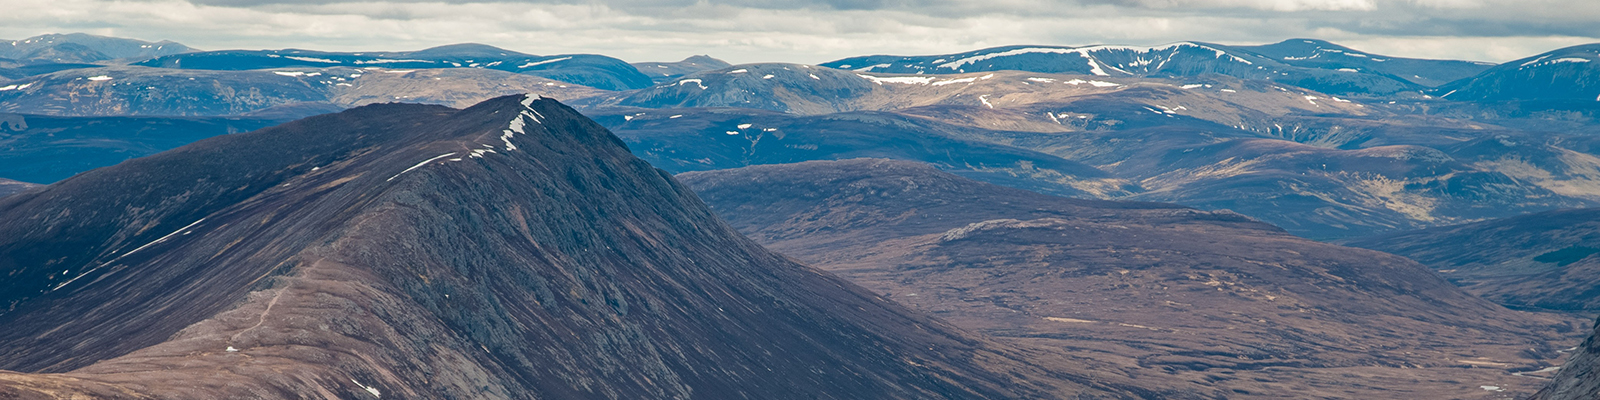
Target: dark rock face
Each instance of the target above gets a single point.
(1154, 286)
(513, 249)
(1541, 261)
(1580, 376)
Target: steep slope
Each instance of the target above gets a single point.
(9, 187)
(46, 149)
(1537, 261)
(582, 69)
(1212, 298)
(666, 71)
(85, 48)
(1345, 72)
(1568, 74)
(513, 249)
(1580, 376)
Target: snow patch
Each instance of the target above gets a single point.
(738, 71)
(419, 165)
(906, 80)
(696, 82)
(541, 63)
(744, 126)
(985, 100)
(311, 59)
(369, 389)
(98, 78)
(869, 68)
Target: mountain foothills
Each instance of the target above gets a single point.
(1212, 298)
(512, 249)
(1542, 261)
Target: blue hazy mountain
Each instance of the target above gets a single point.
(1311, 64)
(1567, 74)
(583, 69)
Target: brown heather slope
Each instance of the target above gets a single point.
(1540, 261)
(1166, 292)
(513, 249)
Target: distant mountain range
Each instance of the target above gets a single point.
(1275, 131)
(79, 48)
(584, 69)
(1312, 64)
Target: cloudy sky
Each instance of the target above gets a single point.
(814, 31)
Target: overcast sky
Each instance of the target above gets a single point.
(815, 31)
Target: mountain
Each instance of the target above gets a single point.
(36, 148)
(582, 69)
(9, 187)
(1577, 378)
(1212, 298)
(1541, 261)
(682, 140)
(1565, 75)
(1315, 65)
(512, 249)
(1319, 165)
(1321, 54)
(85, 48)
(136, 90)
(666, 71)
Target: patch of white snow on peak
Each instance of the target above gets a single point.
(369, 389)
(985, 100)
(906, 80)
(739, 71)
(543, 62)
(869, 68)
(1192, 86)
(767, 76)
(676, 116)
(1103, 84)
(99, 78)
(386, 61)
(419, 165)
(955, 81)
(744, 126)
(230, 349)
(1349, 70)
(1044, 80)
(814, 76)
(311, 59)
(696, 82)
(732, 132)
